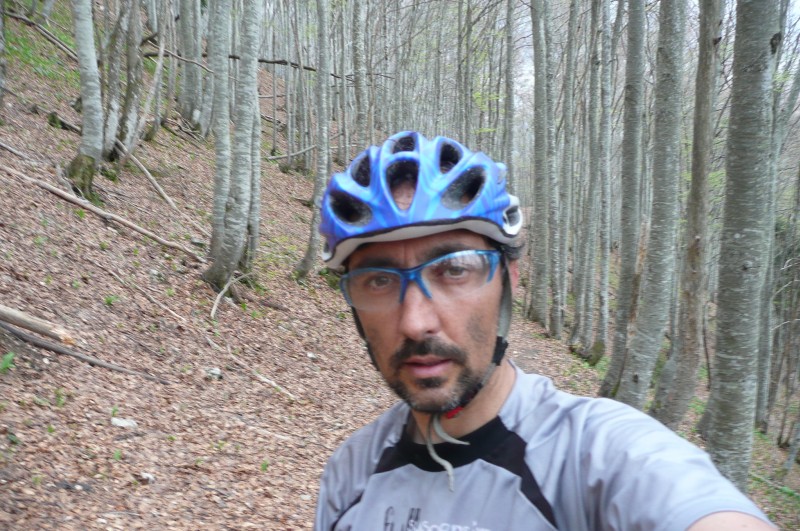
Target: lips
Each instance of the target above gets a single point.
(427, 366)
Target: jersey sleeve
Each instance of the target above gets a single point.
(642, 476)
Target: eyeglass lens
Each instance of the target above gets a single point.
(448, 277)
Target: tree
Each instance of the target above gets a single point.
(541, 172)
(743, 257)
(360, 70)
(659, 269)
(631, 178)
(82, 168)
(305, 266)
(679, 377)
(219, 46)
(240, 196)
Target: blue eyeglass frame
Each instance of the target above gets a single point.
(414, 274)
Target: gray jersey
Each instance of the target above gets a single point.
(549, 460)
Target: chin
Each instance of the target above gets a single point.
(430, 396)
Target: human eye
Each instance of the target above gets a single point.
(376, 281)
(457, 268)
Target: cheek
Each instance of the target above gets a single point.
(479, 327)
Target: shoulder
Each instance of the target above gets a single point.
(351, 465)
(602, 463)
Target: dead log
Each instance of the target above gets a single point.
(34, 324)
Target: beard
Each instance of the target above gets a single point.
(467, 383)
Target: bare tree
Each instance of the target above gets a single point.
(631, 178)
(537, 310)
(304, 267)
(743, 250)
(659, 272)
(219, 46)
(679, 377)
(82, 168)
(238, 211)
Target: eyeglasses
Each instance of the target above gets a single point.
(451, 276)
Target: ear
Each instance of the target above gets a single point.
(513, 274)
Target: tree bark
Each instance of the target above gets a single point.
(307, 263)
(743, 249)
(672, 398)
(631, 177)
(653, 313)
(82, 168)
(238, 207)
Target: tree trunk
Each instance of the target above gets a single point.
(694, 277)
(598, 347)
(360, 71)
(743, 248)
(541, 174)
(130, 109)
(82, 168)
(192, 78)
(219, 46)
(653, 313)
(238, 207)
(305, 266)
(631, 177)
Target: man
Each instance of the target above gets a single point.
(426, 233)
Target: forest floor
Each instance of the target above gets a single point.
(242, 451)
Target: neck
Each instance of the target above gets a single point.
(483, 408)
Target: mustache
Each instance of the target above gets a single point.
(433, 346)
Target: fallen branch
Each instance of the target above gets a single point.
(34, 324)
(14, 151)
(147, 174)
(102, 213)
(259, 377)
(46, 33)
(140, 290)
(58, 349)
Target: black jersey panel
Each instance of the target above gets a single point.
(493, 442)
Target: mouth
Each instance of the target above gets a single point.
(422, 367)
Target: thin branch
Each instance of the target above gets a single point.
(58, 349)
(46, 33)
(147, 174)
(224, 290)
(102, 213)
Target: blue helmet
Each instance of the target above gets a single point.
(453, 188)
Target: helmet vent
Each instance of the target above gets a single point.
(405, 143)
(402, 177)
(512, 216)
(449, 155)
(349, 209)
(361, 171)
(465, 188)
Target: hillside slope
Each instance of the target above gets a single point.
(242, 451)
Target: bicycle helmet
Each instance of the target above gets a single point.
(454, 188)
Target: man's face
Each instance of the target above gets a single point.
(431, 352)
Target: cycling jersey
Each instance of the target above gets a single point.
(549, 460)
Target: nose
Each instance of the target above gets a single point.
(419, 318)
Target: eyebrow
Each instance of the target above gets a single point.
(431, 254)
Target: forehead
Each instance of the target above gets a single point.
(408, 253)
